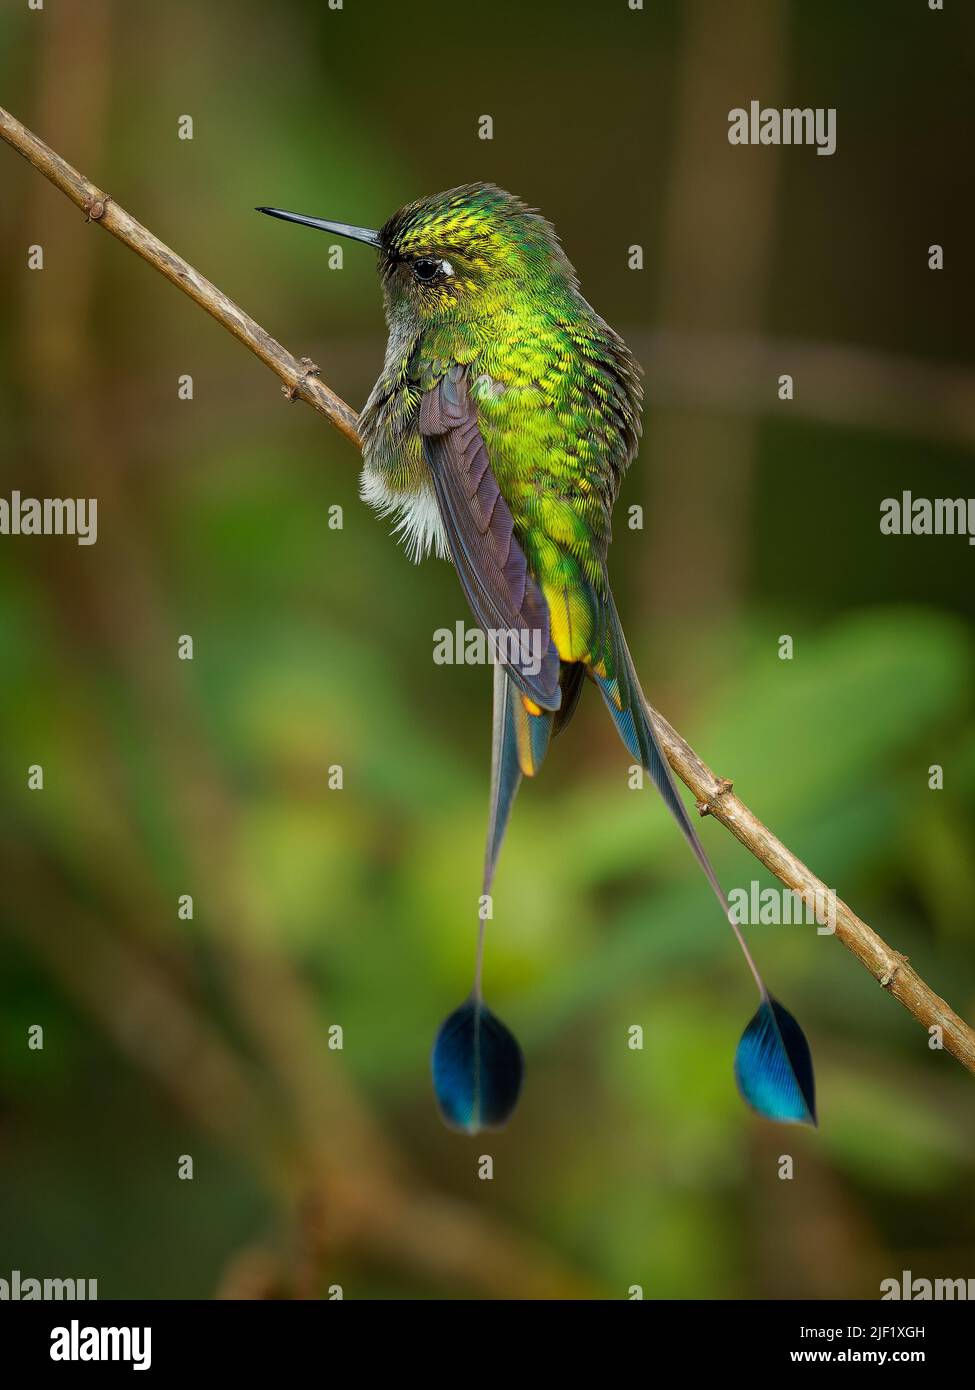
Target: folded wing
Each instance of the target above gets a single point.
(493, 570)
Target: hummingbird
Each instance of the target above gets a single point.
(498, 434)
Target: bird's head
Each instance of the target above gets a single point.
(467, 253)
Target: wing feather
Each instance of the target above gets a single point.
(491, 564)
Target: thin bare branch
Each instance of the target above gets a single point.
(888, 967)
(298, 374)
(714, 795)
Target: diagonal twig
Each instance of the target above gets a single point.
(298, 375)
(714, 795)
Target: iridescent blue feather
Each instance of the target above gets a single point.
(477, 1069)
(773, 1066)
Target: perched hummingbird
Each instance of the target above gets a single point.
(498, 433)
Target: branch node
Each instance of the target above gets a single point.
(887, 980)
(95, 207)
(308, 368)
(704, 808)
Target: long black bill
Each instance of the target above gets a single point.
(365, 234)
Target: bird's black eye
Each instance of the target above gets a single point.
(427, 269)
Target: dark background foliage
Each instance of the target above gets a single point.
(313, 647)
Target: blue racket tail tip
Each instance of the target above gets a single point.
(478, 1069)
(773, 1066)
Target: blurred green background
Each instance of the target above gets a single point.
(313, 647)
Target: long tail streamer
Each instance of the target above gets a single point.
(477, 1063)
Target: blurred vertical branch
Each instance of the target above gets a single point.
(707, 281)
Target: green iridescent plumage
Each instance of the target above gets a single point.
(499, 432)
(557, 392)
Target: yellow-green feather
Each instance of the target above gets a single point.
(557, 391)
